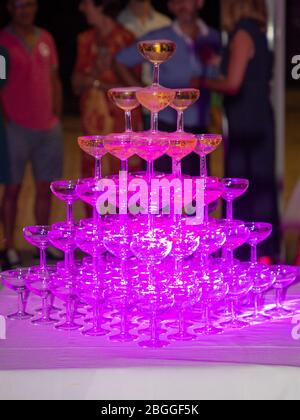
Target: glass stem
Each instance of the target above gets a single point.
(233, 312)
(180, 122)
(154, 122)
(153, 327)
(256, 306)
(44, 308)
(254, 254)
(156, 75)
(69, 311)
(278, 298)
(176, 168)
(123, 321)
(98, 169)
(124, 166)
(70, 213)
(181, 321)
(21, 303)
(43, 259)
(128, 122)
(203, 167)
(229, 210)
(206, 317)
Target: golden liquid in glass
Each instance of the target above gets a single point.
(124, 98)
(184, 98)
(181, 145)
(207, 143)
(93, 146)
(157, 52)
(155, 98)
(120, 146)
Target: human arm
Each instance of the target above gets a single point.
(242, 50)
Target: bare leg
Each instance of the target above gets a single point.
(42, 203)
(9, 213)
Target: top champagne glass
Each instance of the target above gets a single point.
(157, 52)
(125, 99)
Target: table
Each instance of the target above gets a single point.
(42, 363)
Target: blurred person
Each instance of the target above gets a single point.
(32, 103)
(4, 173)
(140, 18)
(194, 40)
(248, 69)
(94, 75)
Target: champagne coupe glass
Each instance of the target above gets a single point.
(66, 192)
(185, 296)
(206, 144)
(93, 294)
(38, 236)
(237, 235)
(153, 302)
(157, 52)
(38, 282)
(284, 277)
(120, 146)
(155, 99)
(93, 146)
(181, 143)
(214, 290)
(234, 188)
(62, 286)
(63, 237)
(151, 146)
(16, 280)
(259, 232)
(89, 192)
(240, 285)
(125, 99)
(263, 279)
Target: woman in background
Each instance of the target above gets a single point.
(250, 153)
(94, 76)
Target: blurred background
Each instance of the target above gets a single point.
(64, 21)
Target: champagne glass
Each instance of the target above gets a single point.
(284, 277)
(66, 191)
(16, 280)
(263, 279)
(93, 146)
(38, 236)
(181, 145)
(157, 52)
(38, 282)
(155, 99)
(206, 144)
(63, 237)
(151, 146)
(121, 146)
(184, 99)
(125, 99)
(259, 232)
(233, 189)
(237, 235)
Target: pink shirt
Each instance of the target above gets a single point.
(27, 97)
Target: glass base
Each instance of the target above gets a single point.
(153, 344)
(51, 310)
(68, 326)
(103, 319)
(280, 312)
(175, 324)
(44, 321)
(123, 338)
(257, 319)
(95, 332)
(147, 331)
(19, 316)
(235, 325)
(184, 336)
(129, 325)
(209, 330)
(76, 315)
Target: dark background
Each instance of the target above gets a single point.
(63, 20)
